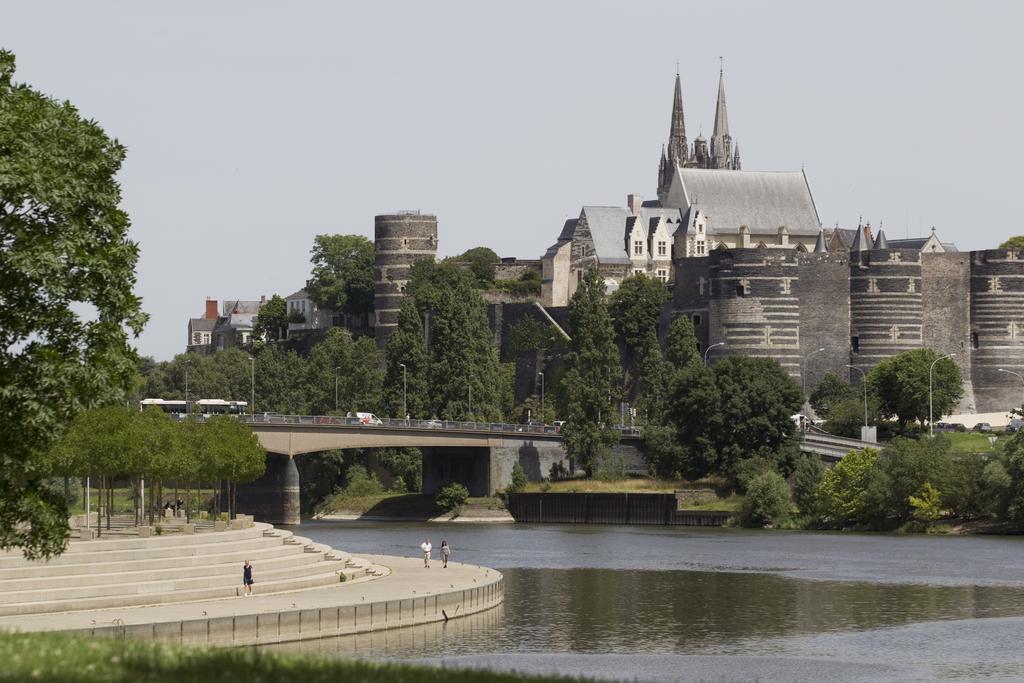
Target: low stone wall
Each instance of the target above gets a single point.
(609, 508)
(280, 626)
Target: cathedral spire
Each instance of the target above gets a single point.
(677, 145)
(721, 140)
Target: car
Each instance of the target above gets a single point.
(368, 419)
(982, 427)
(945, 427)
(1014, 426)
(433, 424)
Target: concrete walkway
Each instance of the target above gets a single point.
(407, 594)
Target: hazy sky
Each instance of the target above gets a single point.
(253, 126)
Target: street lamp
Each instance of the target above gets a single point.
(186, 364)
(252, 386)
(1015, 374)
(708, 349)
(931, 431)
(864, 383)
(803, 369)
(542, 418)
(336, 387)
(405, 392)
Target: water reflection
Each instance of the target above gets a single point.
(665, 612)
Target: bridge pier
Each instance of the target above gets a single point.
(470, 467)
(274, 497)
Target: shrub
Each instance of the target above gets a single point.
(843, 493)
(925, 504)
(610, 466)
(519, 480)
(767, 500)
(751, 468)
(398, 486)
(362, 483)
(158, 530)
(806, 480)
(558, 471)
(452, 496)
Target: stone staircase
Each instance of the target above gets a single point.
(132, 571)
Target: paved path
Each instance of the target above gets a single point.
(406, 580)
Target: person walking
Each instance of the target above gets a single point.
(426, 548)
(247, 578)
(446, 550)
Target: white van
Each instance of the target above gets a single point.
(369, 419)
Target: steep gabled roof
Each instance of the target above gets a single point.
(607, 228)
(763, 201)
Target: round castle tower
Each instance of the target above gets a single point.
(886, 312)
(399, 240)
(997, 328)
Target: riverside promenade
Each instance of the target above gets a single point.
(379, 591)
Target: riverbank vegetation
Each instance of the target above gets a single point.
(55, 657)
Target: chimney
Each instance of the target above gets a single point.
(263, 299)
(211, 309)
(634, 202)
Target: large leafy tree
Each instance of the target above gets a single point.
(345, 369)
(901, 385)
(67, 310)
(342, 277)
(831, 390)
(407, 389)
(591, 383)
(271, 323)
(738, 409)
(481, 262)
(281, 382)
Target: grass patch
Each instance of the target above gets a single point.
(971, 442)
(632, 485)
(343, 503)
(56, 657)
(730, 504)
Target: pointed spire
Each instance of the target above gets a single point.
(819, 245)
(880, 241)
(862, 241)
(736, 156)
(677, 145)
(721, 113)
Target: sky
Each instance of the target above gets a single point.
(253, 126)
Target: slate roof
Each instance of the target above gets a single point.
(301, 294)
(239, 306)
(202, 324)
(763, 201)
(607, 230)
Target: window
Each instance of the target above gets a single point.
(855, 344)
(974, 340)
(579, 276)
(663, 274)
(700, 248)
(741, 290)
(638, 247)
(662, 249)
(638, 271)
(696, 320)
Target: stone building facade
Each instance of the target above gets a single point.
(861, 308)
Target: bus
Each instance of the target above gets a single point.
(205, 406)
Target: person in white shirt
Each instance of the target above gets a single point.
(426, 547)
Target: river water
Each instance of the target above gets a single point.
(670, 604)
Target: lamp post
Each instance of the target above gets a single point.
(931, 430)
(405, 391)
(1015, 374)
(803, 370)
(543, 420)
(469, 386)
(186, 364)
(864, 383)
(336, 387)
(252, 386)
(709, 349)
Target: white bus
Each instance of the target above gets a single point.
(206, 406)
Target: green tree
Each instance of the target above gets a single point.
(591, 381)
(452, 497)
(481, 262)
(271, 323)
(281, 378)
(635, 308)
(806, 480)
(342, 277)
(230, 453)
(831, 390)
(519, 480)
(1016, 243)
(843, 494)
(652, 382)
(926, 505)
(67, 309)
(901, 384)
(767, 500)
(741, 407)
(407, 389)
(346, 368)
(903, 467)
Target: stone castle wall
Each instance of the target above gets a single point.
(399, 241)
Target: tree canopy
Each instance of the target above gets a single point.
(901, 385)
(67, 307)
(271, 323)
(1016, 243)
(342, 277)
(481, 262)
(591, 383)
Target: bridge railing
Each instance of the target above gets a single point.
(403, 423)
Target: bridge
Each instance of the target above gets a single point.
(480, 455)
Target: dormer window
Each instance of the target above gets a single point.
(662, 248)
(638, 247)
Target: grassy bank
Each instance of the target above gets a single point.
(55, 657)
(973, 442)
(631, 485)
